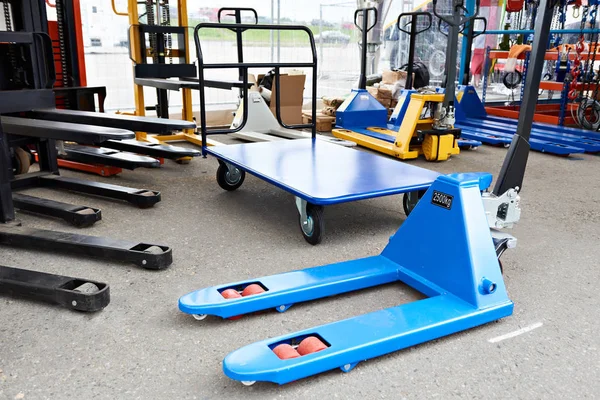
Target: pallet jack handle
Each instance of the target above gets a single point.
(236, 12)
(412, 32)
(459, 17)
(513, 169)
(364, 29)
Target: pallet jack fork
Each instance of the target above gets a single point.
(457, 268)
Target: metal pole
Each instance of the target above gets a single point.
(513, 169)
(320, 34)
(465, 57)
(278, 32)
(271, 33)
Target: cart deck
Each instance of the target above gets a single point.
(323, 173)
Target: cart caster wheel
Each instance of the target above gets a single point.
(21, 161)
(199, 317)
(230, 180)
(313, 229)
(248, 383)
(409, 202)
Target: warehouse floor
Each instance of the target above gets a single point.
(142, 347)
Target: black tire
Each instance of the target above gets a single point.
(406, 203)
(226, 180)
(21, 161)
(512, 79)
(313, 234)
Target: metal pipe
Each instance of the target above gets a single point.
(529, 31)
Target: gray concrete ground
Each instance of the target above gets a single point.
(142, 347)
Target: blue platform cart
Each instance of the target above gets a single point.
(317, 173)
(448, 249)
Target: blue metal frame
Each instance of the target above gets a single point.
(476, 124)
(466, 292)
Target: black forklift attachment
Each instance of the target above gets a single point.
(26, 84)
(73, 293)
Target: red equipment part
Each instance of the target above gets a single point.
(514, 5)
(285, 352)
(311, 344)
(252, 290)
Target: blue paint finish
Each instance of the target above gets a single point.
(544, 146)
(358, 108)
(400, 110)
(590, 146)
(324, 173)
(293, 287)
(471, 107)
(454, 267)
(492, 139)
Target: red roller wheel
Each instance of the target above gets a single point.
(252, 289)
(311, 344)
(230, 294)
(285, 352)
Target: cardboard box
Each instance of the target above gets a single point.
(382, 95)
(292, 96)
(391, 77)
(324, 122)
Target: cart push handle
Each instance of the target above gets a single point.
(365, 13)
(449, 19)
(413, 22)
(237, 12)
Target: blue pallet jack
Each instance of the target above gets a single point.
(422, 122)
(316, 172)
(475, 123)
(457, 268)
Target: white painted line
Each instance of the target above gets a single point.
(515, 333)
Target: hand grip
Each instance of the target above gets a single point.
(365, 12)
(235, 10)
(415, 15)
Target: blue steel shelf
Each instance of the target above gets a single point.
(323, 173)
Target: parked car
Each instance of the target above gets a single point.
(332, 37)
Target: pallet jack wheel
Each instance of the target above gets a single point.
(311, 344)
(87, 287)
(229, 180)
(21, 161)
(409, 203)
(313, 229)
(285, 352)
(253, 289)
(230, 294)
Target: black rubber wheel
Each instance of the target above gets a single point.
(313, 231)
(227, 180)
(21, 161)
(512, 79)
(406, 202)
